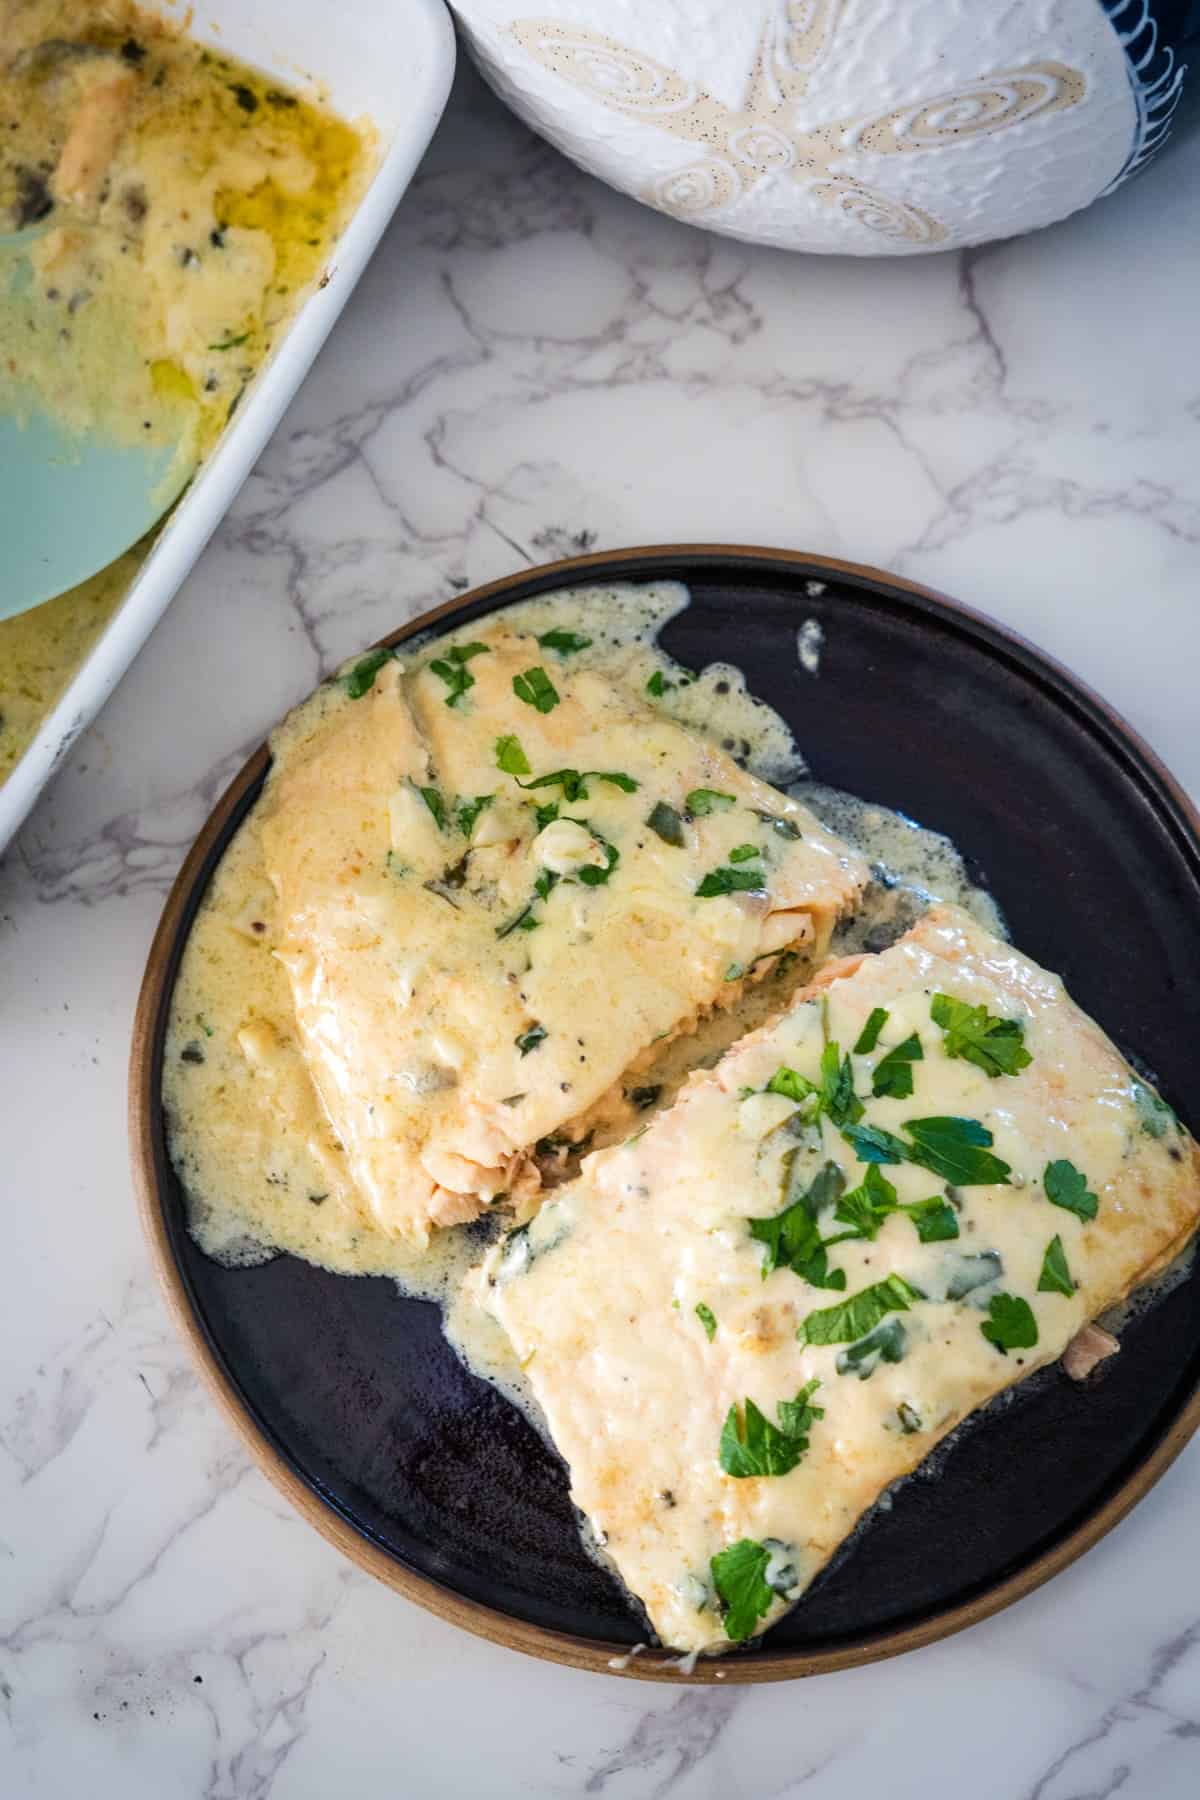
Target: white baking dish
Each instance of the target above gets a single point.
(390, 60)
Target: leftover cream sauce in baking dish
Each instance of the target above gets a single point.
(175, 205)
(962, 1160)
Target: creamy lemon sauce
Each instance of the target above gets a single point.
(264, 1171)
(176, 205)
(637, 1368)
(262, 1168)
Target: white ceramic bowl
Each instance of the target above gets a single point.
(858, 127)
(391, 60)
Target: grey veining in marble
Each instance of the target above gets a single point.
(532, 366)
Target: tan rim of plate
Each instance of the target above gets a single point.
(515, 1634)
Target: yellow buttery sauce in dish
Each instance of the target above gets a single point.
(174, 206)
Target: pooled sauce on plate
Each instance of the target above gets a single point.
(260, 1165)
(176, 205)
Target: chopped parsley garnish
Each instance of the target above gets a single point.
(668, 824)
(510, 757)
(838, 1098)
(957, 1150)
(708, 1319)
(1067, 1187)
(868, 1037)
(739, 1578)
(886, 1343)
(536, 689)
(231, 343)
(529, 1040)
(735, 971)
(791, 1238)
(565, 642)
(744, 852)
(524, 921)
(590, 874)
(545, 881)
(702, 801)
(573, 782)
(909, 1417)
(872, 1144)
(731, 881)
(452, 669)
(854, 1318)
(865, 1208)
(752, 1446)
(784, 828)
(546, 815)
(791, 1084)
(997, 1046)
(1055, 1277)
(935, 1219)
(971, 1272)
(469, 810)
(361, 678)
(893, 1076)
(1154, 1115)
(1011, 1325)
(437, 806)
(658, 684)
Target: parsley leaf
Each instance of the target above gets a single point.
(791, 1238)
(798, 1416)
(935, 1219)
(865, 1207)
(469, 810)
(536, 689)
(885, 1344)
(872, 1144)
(1011, 1326)
(546, 815)
(529, 1040)
(573, 782)
(708, 1319)
(739, 1578)
(590, 874)
(1055, 1277)
(658, 684)
(667, 823)
(1067, 1187)
(868, 1037)
(702, 801)
(510, 757)
(997, 1046)
(453, 670)
(751, 1445)
(971, 1272)
(731, 881)
(744, 852)
(361, 678)
(565, 642)
(791, 1084)
(909, 1417)
(893, 1077)
(436, 805)
(838, 1098)
(957, 1150)
(1154, 1115)
(853, 1318)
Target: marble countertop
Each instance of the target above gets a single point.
(533, 366)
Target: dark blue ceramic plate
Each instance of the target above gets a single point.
(354, 1404)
